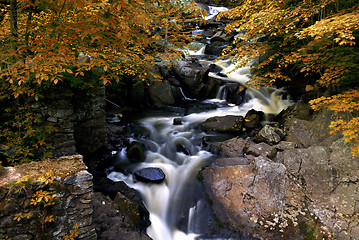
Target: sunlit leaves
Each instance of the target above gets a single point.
(120, 37)
(313, 40)
(339, 28)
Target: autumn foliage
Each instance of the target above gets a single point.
(314, 42)
(52, 38)
(55, 42)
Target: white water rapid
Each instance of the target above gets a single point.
(175, 205)
(170, 203)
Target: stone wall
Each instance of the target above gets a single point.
(78, 116)
(72, 191)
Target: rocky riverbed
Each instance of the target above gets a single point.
(302, 185)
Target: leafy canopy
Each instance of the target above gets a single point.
(53, 38)
(45, 43)
(313, 40)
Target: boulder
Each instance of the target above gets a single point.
(162, 93)
(214, 48)
(231, 148)
(232, 93)
(257, 198)
(224, 124)
(222, 36)
(215, 68)
(119, 217)
(194, 80)
(189, 74)
(261, 149)
(270, 134)
(136, 152)
(177, 121)
(253, 119)
(150, 175)
(308, 190)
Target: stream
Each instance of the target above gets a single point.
(177, 205)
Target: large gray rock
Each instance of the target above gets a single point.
(162, 93)
(258, 199)
(194, 80)
(189, 74)
(234, 147)
(313, 173)
(270, 134)
(224, 124)
(261, 149)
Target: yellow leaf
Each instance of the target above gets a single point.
(105, 68)
(69, 70)
(308, 88)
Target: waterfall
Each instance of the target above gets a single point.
(175, 205)
(163, 201)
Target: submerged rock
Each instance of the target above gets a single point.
(135, 152)
(150, 175)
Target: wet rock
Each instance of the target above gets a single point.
(285, 145)
(253, 119)
(150, 175)
(214, 48)
(255, 198)
(222, 75)
(223, 124)
(208, 88)
(270, 134)
(162, 93)
(177, 121)
(221, 36)
(261, 149)
(226, 162)
(183, 149)
(215, 68)
(190, 75)
(231, 148)
(232, 93)
(113, 219)
(135, 152)
(194, 80)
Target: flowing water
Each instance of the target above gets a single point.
(176, 204)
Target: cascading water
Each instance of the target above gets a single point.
(175, 205)
(172, 204)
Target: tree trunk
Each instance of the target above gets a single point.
(13, 22)
(28, 23)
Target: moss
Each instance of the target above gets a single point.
(311, 234)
